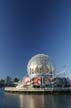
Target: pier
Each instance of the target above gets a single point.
(38, 90)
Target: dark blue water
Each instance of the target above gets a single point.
(10, 100)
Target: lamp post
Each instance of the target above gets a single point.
(65, 70)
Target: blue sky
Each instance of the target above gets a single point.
(30, 27)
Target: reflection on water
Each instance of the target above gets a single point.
(31, 101)
(45, 101)
(10, 100)
(57, 101)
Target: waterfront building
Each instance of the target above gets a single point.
(41, 74)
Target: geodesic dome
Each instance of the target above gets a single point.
(40, 64)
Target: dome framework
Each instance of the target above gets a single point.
(40, 64)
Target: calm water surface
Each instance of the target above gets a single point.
(10, 100)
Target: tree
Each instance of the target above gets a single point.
(16, 79)
(2, 83)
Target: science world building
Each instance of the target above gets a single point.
(41, 74)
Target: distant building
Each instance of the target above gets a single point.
(8, 81)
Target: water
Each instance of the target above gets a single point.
(10, 100)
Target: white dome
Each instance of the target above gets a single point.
(39, 64)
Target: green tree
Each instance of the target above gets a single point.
(16, 79)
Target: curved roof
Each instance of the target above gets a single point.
(39, 64)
